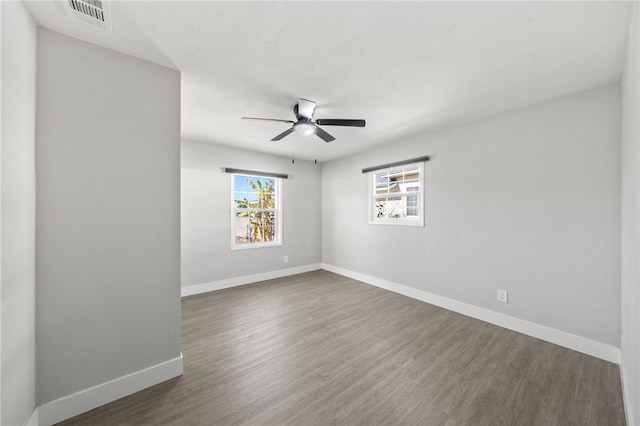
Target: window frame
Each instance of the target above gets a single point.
(403, 221)
(277, 211)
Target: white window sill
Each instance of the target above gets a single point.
(249, 246)
(398, 222)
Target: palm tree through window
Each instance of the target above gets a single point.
(256, 211)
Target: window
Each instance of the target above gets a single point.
(256, 215)
(412, 202)
(396, 196)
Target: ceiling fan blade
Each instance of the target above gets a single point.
(283, 134)
(267, 119)
(324, 135)
(306, 108)
(340, 122)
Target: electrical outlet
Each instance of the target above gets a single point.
(286, 259)
(503, 296)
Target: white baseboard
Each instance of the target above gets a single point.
(628, 406)
(33, 419)
(577, 343)
(247, 279)
(93, 397)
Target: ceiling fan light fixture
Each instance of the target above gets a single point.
(304, 128)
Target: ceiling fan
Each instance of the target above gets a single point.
(305, 124)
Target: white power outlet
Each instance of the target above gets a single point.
(503, 296)
(286, 259)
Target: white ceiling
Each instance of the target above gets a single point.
(407, 68)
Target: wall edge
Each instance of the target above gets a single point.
(95, 396)
(571, 341)
(194, 289)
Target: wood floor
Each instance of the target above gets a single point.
(322, 349)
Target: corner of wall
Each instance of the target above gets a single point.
(17, 214)
(104, 393)
(33, 419)
(630, 224)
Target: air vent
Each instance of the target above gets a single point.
(92, 8)
(94, 12)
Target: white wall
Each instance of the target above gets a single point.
(18, 352)
(527, 201)
(630, 344)
(206, 235)
(108, 191)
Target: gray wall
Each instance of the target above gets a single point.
(108, 191)
(206, 253)
(630, 344)
(527, 201)
(18, 353)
